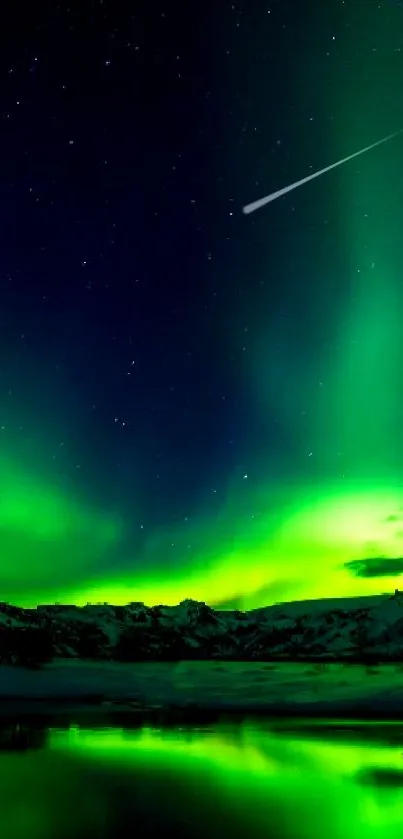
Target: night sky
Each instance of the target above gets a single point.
(194, 402)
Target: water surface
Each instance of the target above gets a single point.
(236, 779)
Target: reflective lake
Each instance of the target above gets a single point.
(237, 779)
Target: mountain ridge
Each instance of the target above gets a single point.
(357, 629)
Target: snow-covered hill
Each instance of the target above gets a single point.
(368, 629)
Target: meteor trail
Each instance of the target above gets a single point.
(261, 202)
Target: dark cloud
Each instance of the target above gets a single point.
(380, 566)
(379, 777)
(276, 592)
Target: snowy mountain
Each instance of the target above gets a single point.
(364, 629)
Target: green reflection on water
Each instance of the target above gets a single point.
(239, 780)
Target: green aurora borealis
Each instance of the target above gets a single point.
(281, 541)
(330, 370)
(298, 551)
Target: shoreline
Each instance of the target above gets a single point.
(202, 689)
(124, 714)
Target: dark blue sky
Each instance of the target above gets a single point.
(160, 352)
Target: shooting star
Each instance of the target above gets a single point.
(261, 202)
